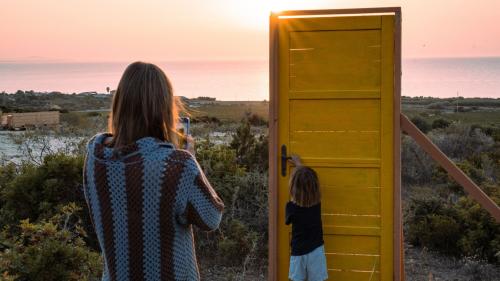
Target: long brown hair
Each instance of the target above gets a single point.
(304, 187)
(143, 106)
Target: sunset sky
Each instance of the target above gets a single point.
(161, 30)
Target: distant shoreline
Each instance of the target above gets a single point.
(243, 60)
(245, 80)
(104, 94)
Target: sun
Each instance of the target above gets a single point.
(255, 13)
(278, 5)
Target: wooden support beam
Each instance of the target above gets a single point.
(273, 147)
(470, 187)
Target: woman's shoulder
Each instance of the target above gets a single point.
(97, 138)
(182, 156)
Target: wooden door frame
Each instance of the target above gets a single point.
(398, 263)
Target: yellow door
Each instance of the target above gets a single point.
(335, 110)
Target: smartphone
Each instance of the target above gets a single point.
(183, 129)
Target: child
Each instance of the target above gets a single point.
(308, 261)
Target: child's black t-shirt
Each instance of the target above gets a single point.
(307, 230)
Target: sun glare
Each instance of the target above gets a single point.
(255, 13)
(277, 5)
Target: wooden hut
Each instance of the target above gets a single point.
(30, 119)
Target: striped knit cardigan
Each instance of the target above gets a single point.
(143, 199)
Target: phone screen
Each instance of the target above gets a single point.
(183, 129)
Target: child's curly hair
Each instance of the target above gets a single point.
(304, 187)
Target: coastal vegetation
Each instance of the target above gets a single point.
(44, 219)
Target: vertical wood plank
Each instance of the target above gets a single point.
(273, 151)
(283, 139)
(398, 220)
(387, 146)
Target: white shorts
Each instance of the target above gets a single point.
(310, 267)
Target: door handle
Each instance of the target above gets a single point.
(284, 160)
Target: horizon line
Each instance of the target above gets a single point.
(259, 100)
(222, 59)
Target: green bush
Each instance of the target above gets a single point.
(494, 133)
(453, 225)
(206, 119)
(438, 105)
(256, 120)
(421, 124)
(7, 173)
(239, 243)
(244, 223)
(51, 249)
(436, 232)
(93, 114)
(251, 152)
(440, 123)
(473, 150)
(38, 192)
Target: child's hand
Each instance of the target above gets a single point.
(295, 160)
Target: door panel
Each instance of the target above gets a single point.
(351, 127)
(352, 257)
(335, 111)
(330, 60)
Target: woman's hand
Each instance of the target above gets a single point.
(190, 144)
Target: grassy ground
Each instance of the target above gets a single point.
(231, 110)
(212, 271)
(235, 110)
(422, 265)
(227, 111)
(482, 116)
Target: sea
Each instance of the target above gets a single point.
(237, 80)
(247, 80)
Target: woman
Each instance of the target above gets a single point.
(142, 191)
